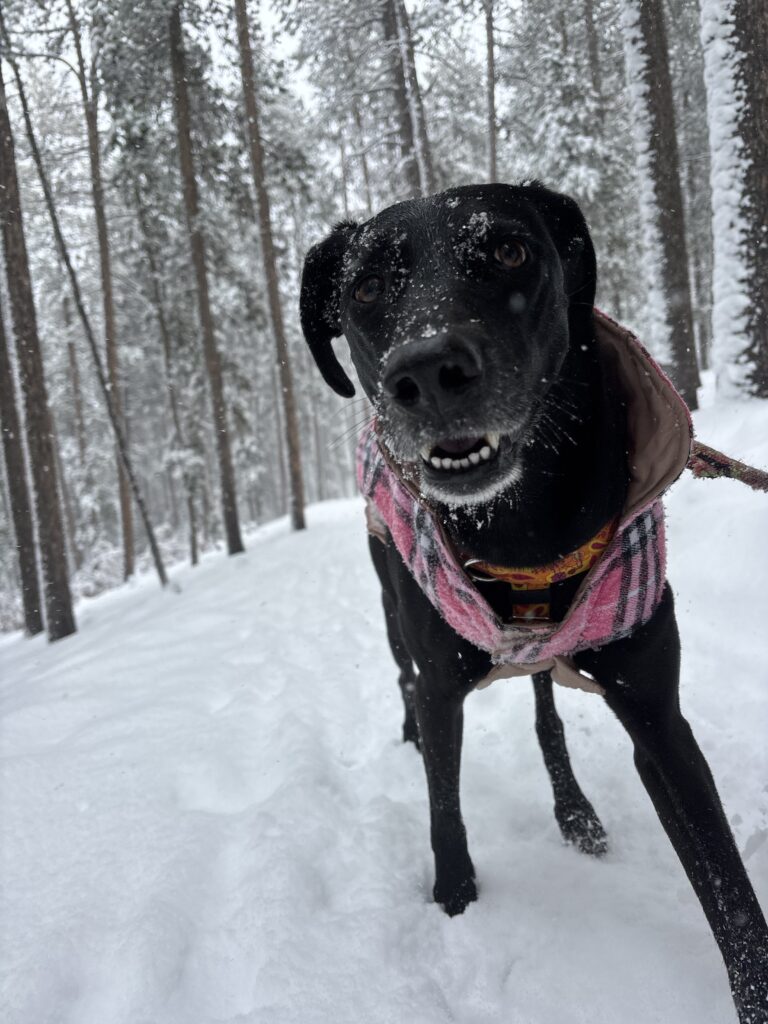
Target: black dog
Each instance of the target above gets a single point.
(469, 320)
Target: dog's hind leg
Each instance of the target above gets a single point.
(403, 659)
(640, 675)
(574, 813)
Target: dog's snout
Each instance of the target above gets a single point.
(432, 372)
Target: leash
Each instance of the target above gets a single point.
(707, 463)
(532, 586)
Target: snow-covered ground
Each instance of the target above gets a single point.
(207, 815)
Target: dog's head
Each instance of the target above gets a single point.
(460, 310)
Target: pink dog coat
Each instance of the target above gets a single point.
(624, 586)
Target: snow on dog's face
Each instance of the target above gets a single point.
(459, 310)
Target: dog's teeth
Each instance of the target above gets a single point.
(493, 440)
(425, 453)
(471, 459)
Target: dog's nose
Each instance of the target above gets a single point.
(432, 372)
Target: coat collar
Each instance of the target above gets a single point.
(659, 427)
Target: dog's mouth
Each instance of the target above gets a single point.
(460, 454)
(470, 469)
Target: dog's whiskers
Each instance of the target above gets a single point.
(347, 432)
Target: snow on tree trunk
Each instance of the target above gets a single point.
(730, 297)
(734, 36)
(669, 319)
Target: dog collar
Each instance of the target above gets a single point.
(537, 581)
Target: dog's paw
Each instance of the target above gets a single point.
(581, 827)
(456, 897)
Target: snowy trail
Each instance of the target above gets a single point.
(207, 815)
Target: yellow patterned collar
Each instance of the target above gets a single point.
(541, 577)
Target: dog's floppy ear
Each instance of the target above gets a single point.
(319, 305)
(570, 234)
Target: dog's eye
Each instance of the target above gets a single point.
(369, 289)
(510, 254)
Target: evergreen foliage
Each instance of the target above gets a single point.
(345, 109)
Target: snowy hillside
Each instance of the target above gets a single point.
(207, 815)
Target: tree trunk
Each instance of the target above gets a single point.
(21, 509)
(78, 299)
(751, 32)
(270, 267)
(593, 53)
(58, 603)
(360, 135)
(320, 468)
(282, 494)
(74, 380)
(344, 174)
(416, 106)
(661, 200)
(699, 243)
(490, 85)
(197, 247)
(726, 176)
(74, 554)
(360, 140)
(90, 110)
(408, 159)
(156, 299)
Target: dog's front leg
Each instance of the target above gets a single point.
(448, 668)
(640, 675)
(440, 716)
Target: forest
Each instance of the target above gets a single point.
(165, 165)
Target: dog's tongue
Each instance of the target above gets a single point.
(457, 445)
